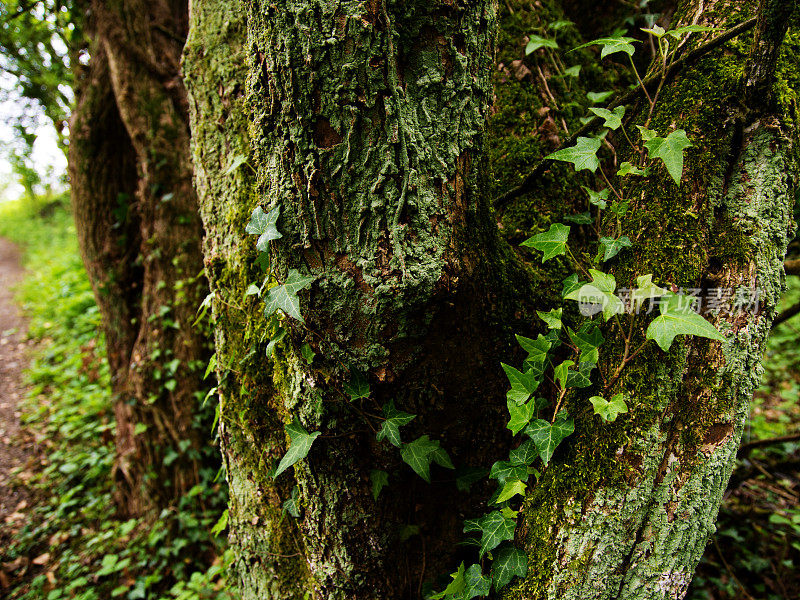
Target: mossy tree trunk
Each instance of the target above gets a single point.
(364, 123)
(140, 233)
(627, 510)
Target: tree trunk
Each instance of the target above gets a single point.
(364, 124)
(627, 512)
(136, 213)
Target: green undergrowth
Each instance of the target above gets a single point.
(72, 543)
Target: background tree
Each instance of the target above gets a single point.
(140, 234)
(364, 126)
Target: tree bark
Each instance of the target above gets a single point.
(365, 124)
(627, 511)
(136, 213)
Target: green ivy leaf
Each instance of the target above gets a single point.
(670, 151)
(477, 584)
(571, 284)
(537, 349)
(547, 437)
(522, 384)
(301, 442)
(645, 290)
(277, 337)
(525, 454)
(420, 453)
(619, 208)
(495, 529)
(679, 32)
(284, 297)
(560, 24)
(292, 505)
(598, 295)
(455, 589)
(511, 488)
(503, 471)
(679, 318)
(582, 377)
(308, 353)
(597, 98)
(609, 410)
(655, 30)
(379, 479)
(521, 415)
(613, 45)
(237, 162)
(552, 318)
(561, 372)
(509, 562)
(535, 42)
(580, 218)
(583, 155)
(264, 225)
(574, 71)
(587, 340)
(613, 119)
(599, 199)
(627, 169)
(610, 247)
(551, 243)
(390, 429)
(358, 386)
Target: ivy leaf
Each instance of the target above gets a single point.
(521, 415)
(390, 429)
(495, 529)
(580, 218)
(587, 340)
(537, 349)
(511, 488)
(599, 199)
(379, 479)
(609, 410)
(279, 335)
(284, 297)
(237, 162)
(670, 151)
(583, 155)
(679, 32)
(582, 377)
(560, 24)
(358, 386)
(522, 384)
(561, 372)
(455, 588)
(301, 442)
(612, 45)
(571, 284)
(647, 134)
(552, 318)
(420, 453)
(613, 119)
(525, 454)
(611, 247)
(503, 471)
(552, 242)
(252, 290)
(508, 563)
(597, 98)
(626, 169)
(477, 585)
(655, 30)
(264, 225)
(292, 505)
(599, 294)
(645, 290)
(619, 208)
(547, 437)
(537, 42)
(679, 318)
(574, 71)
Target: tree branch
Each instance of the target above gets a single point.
(745, 449)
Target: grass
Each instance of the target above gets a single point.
(72, 543)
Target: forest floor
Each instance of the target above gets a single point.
(16, 449)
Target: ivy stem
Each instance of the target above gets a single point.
(613, 189)
(577, 263)
(639, 79)
(558, 404)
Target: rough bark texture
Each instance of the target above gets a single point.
(364, 122)
(366, 128)
(627, 510)
(140, 234)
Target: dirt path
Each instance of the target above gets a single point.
(14, 452)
